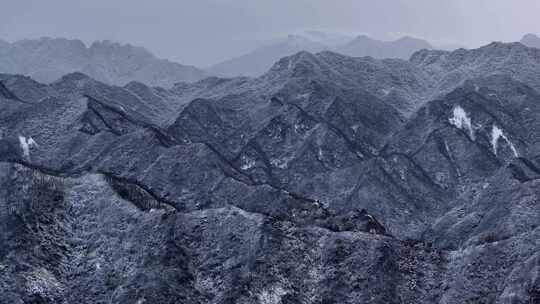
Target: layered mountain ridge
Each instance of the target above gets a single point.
(258, 61)
(329, 179)
(48, 59)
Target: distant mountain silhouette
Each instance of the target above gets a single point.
(531, 40)
(365, 46)
(48, 59)
(260, 60)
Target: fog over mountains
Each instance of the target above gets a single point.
(329, 178)
(260, 60)
(47, 60)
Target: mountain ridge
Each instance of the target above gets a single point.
(261, 59)
(47, 59)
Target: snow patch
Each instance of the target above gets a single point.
(303, 96)
(26, 144)
(272, 295)
(462, 121)
(386, 92)
(281, 163)
(402, 174)
(290, 66)
(297, 128)
(247, 163)
(496, 134)
(320, 154)
(41, 281)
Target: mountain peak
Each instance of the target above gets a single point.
(531, 40)
(108, 46)
(75, 76)
(289, 63)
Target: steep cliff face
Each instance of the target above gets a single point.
(311, 184)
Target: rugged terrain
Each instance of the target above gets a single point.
(329, 179)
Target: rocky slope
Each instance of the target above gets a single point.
(47, 60)
(329, 179)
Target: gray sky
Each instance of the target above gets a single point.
(202, 32)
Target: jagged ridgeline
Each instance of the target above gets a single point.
(329, 179)
(48, 59)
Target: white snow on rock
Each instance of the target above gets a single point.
(290, 66)
(282, 163)
(41, 281)
(271, 295)
(303, 96)
(462, 121)
(496, 134)
(320, 154)
(247, 163)
(26, 144)
(386, 92)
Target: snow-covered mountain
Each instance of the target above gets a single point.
(329, 179)
(48, 59)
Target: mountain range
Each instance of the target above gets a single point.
(365, 46)
(257, 62)
(328, 179)
(48, 59)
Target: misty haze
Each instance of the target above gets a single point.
(273, 151)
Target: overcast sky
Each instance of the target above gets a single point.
(202, 32)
